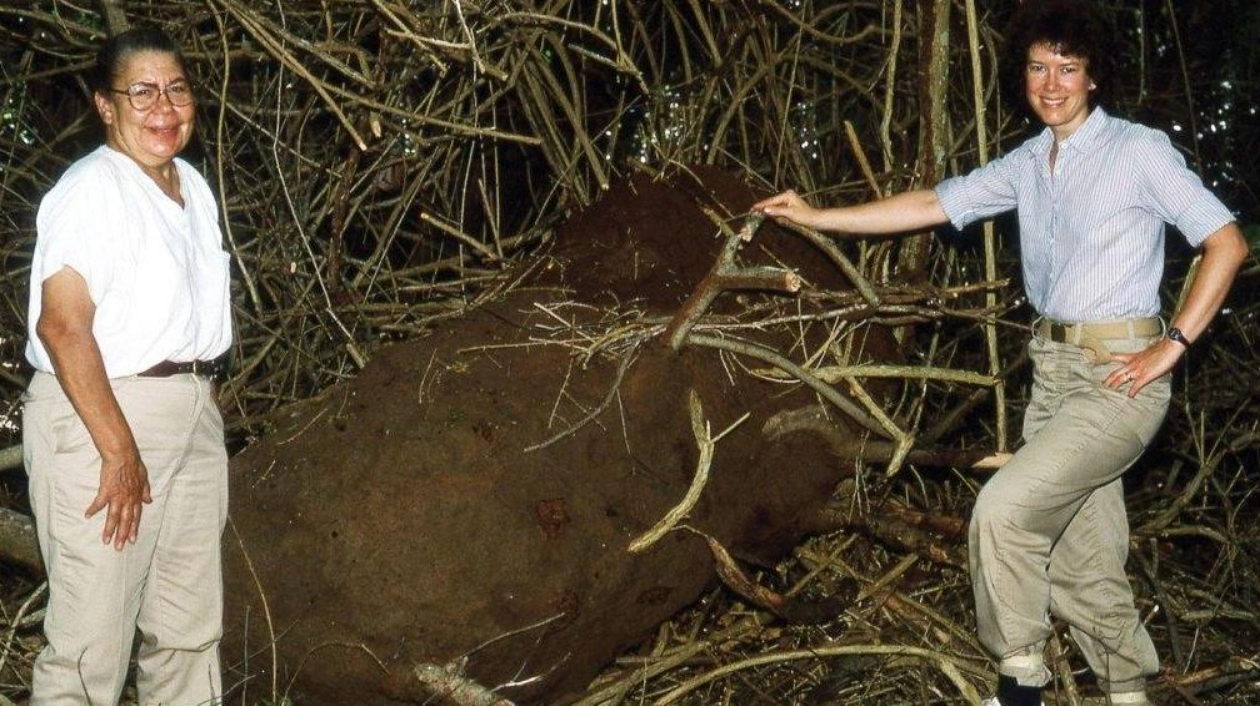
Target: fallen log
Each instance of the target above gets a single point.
(18, 545)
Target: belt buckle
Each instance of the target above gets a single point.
(216, 369)
(1058, 332)
(206, 369)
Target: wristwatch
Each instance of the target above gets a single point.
(1176, 335)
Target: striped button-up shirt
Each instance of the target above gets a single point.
(1091, 230)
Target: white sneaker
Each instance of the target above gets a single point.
(1137, 697)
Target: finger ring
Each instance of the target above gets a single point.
(1128, 376)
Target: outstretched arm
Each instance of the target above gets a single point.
(905, 212)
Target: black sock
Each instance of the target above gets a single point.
(1010, 692)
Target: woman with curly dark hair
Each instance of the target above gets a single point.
(1093, 194)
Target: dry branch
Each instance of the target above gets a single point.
(906, 533)
(11, 457)
(950, 666)
(725, 276)
(792, 609)
(448, 684)
(115, 16)
(706, 443)
(828, 393)
(18, 543)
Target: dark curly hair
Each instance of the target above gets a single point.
(116, 49)
(1075, 28)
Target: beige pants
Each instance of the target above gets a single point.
(168, 585)
(1049, 533)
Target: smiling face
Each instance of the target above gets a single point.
(1057, 88)
(154, 136)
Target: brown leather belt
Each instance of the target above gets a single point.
(214, 369)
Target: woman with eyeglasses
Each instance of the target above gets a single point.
(129, 323)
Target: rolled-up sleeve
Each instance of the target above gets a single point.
(1176, 193)
(1203, 217)
(980, 194)
(72, 233)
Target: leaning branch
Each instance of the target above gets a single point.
(726, 275)
(707, 444)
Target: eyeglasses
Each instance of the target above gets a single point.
(143, 96)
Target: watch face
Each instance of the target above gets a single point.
(1176, 335)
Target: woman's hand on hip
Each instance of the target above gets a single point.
(1139, 368)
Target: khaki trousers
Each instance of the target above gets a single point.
(168, 585)
(1049, 533)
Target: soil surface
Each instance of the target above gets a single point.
(398, 519)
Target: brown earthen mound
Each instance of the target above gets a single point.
(397, 520)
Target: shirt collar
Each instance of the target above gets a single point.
(1089, 132)
(1080, 139)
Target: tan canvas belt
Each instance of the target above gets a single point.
(1090, 335)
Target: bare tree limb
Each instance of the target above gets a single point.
(115, 16)
(18, 543)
